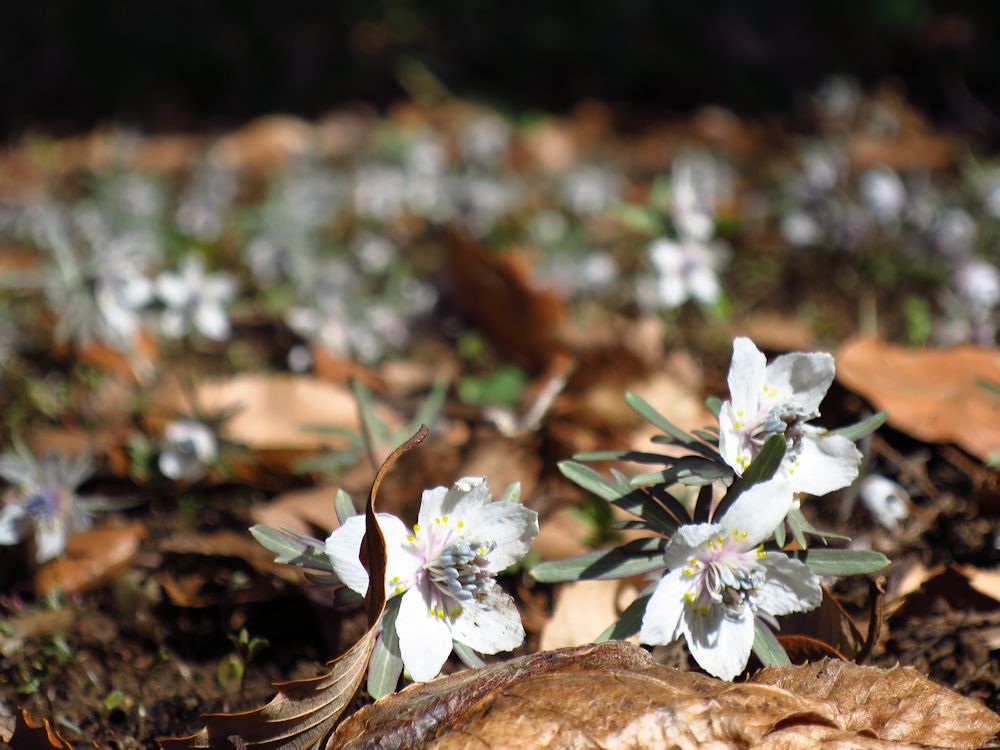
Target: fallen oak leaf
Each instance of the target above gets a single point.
(303, 711)
(898, 704)
(935, 395)
(93, 557)
(614, 696)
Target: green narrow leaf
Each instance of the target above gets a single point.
(638, 218)
(512, 494)
(703, 505)
(651, 415)
(344, 506)
(620, 493)
(599, 565)
(292, 549)
(780, 535)
(840, 562)
(862, 429)
(469, 657)
(386, 663)
(366, 406)
(714, 404)
(430, 407)
(628, 623)
(797, 523)
(767, 648)
(634, 456)
(795, 517)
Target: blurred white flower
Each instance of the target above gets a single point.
(445, 570)
(884, 194)
(697, 183)
(800, 229)
(885, 500)
(954, 232)
(375, 253)
(379, 192)
(195, 300)
(591, 189)
(485, 141)
(205, 202)
(43, 503)
(685, 269)
(188, 450)
(977, 284)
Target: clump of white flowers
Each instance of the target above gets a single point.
(720, 573)
(189, 449)
(195, 300)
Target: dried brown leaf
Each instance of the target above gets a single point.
(303, 511)
(92, 558)
(498, 295)
(303, 711)
(899, 704)
(614, 696)
(934, 395)
(30, 735)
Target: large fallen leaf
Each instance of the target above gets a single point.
(615, 696)
(898, 704)
(935, 395)
(303, 711)
(272, 411)
(92, 558)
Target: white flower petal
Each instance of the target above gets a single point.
(424, 640)
(720, 644)
(826, 463)
(801, 379)
(344, 545)
(685, 540)
(661, 623)
(212, 322)
(704, 285)
(176, 464)
(759, 510)
(510, 526)
(50, 539)
(491, 625)
(789, 587)
(466, 495)
(219, 287)
(746, 376)
(173, 324)
(172, 290)
(13, 524)
(666, 255)
(733, 442)
(671, 291)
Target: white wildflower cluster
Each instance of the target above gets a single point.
(720, 573)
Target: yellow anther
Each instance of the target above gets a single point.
(409, 537)
(395, 579)
(416, 527)
(444, 518)
(692, 561)
(743, 535)
(482, 550)
(736, 533)
(400, 589)
(689, 597)
(688, 572)
(460, 524)
(737, 425)
(739, 413)
(721, 539)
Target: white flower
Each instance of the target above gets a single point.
(779, 399)
(195, 300)
(590, 190)
(978, 284)
(444, 569)
(685, 269)
(885, 500)
(189, 449)
(43, 502)
(485, 141)
(720, 580)
(800, 229)
(697, 182)
(884, 194)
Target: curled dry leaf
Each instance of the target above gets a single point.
(935, 395)
(614, 696)
(30, 735)
(303, 711)
(92, 558)
(898, 705)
